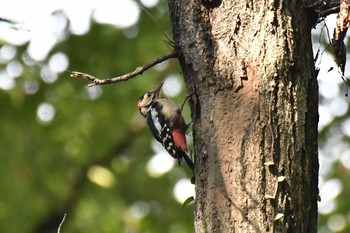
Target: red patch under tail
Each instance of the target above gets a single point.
(179, 140)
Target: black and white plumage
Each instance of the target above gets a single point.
(165, 120)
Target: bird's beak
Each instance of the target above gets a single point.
(139, 105)
(157, 91)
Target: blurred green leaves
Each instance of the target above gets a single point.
(89, 160)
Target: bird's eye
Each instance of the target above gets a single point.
(148, 95)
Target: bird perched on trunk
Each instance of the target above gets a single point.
(168, 126)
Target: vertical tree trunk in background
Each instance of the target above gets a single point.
(250, 66)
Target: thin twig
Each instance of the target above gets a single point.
(138, 71)
(59, 227)
(324, 8)
(329, 11)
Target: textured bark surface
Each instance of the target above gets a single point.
(250, 66)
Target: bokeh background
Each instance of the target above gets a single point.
(87, 152)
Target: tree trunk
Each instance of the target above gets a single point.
(255, 111)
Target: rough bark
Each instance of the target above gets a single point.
(250, 66)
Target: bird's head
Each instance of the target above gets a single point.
(147, 99)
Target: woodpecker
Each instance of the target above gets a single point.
(168, 126)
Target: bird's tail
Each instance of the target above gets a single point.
(188, 160)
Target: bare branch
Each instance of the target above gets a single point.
(342, 25)
(138, 71)
(324, 7)
(59, 227)
(329, 11)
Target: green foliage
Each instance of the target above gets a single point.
(90, 160)
(334, 155)
(334, 134)
(188, 201)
